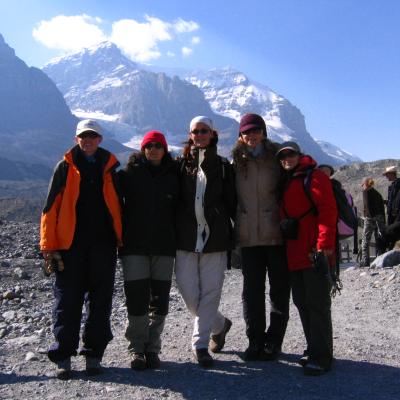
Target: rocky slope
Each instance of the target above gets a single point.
(366, 318)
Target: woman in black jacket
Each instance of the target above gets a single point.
(204, 235)
(149, 187)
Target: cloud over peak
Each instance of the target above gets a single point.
(139, 40)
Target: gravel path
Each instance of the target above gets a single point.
(366, 319)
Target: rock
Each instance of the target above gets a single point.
(9, 315)
(3, 332)
(9, 295)
(388, 259)
(19, 273)
(30, 356)
(5, 264)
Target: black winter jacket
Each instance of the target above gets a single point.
(149, 207)
(393, 204)
(373, 203)
(219, 202)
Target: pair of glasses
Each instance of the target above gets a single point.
(287, 154)
(88, 135)
(202, 131)
(156, 145)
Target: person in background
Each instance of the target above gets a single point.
(81, 222)
(149, 188)
(393, 206)
(309, 227)
(374, 219)
(206, 208)
(258, 235)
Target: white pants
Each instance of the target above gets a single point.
(200, 277)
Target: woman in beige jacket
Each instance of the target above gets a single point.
(259, 238)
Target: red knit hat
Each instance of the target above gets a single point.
(154, 136)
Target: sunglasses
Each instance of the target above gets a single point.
(202, 131)
(156, 145)
(88, 135)
(288, 154)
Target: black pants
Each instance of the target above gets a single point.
(88, 277)
(256, 262)
(311, 295)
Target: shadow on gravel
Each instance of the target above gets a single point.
(10, 379)
(275, 380)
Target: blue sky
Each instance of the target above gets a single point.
(337, 61)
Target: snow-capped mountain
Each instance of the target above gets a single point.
(129, 99)
(342, 156)
(102, 83)
(232, 93)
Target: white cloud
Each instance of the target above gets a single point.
(186, 51)
(69, 33)
(182, 26)
(138, 40)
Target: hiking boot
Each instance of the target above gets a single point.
(217, 342)
(63, 370)
(152, 360)
(203, 358)
(271, 352)
(93, 366)
(138, 362)
(303, 361)
(256, 354)
(313, 369)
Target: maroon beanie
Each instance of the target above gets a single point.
(252, 121)
(154, 136)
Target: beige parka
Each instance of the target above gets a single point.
(257, 178)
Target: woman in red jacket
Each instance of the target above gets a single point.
(308, 243)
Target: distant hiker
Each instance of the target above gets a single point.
(205, 234)
(347, 224)
(149, 188)
(259, 237)
(393, 205)
(309, 225)
(374, 220)
(81, 221)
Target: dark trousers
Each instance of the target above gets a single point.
(257, 261)
(311, 295)
(88, 277)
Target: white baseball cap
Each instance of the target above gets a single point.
(88, 125)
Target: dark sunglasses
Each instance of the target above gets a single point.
(88, 135)
(286, 154)
(157, 145)
(202, 131)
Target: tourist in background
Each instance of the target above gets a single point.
(392, 231)
(204, 235)
(257, 174)
(374, 220)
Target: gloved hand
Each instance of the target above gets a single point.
(52, 262)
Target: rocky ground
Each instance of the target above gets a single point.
(366, 319)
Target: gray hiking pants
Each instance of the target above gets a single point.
(147, 283)
(370, 227)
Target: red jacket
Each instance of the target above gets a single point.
(315, 231)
